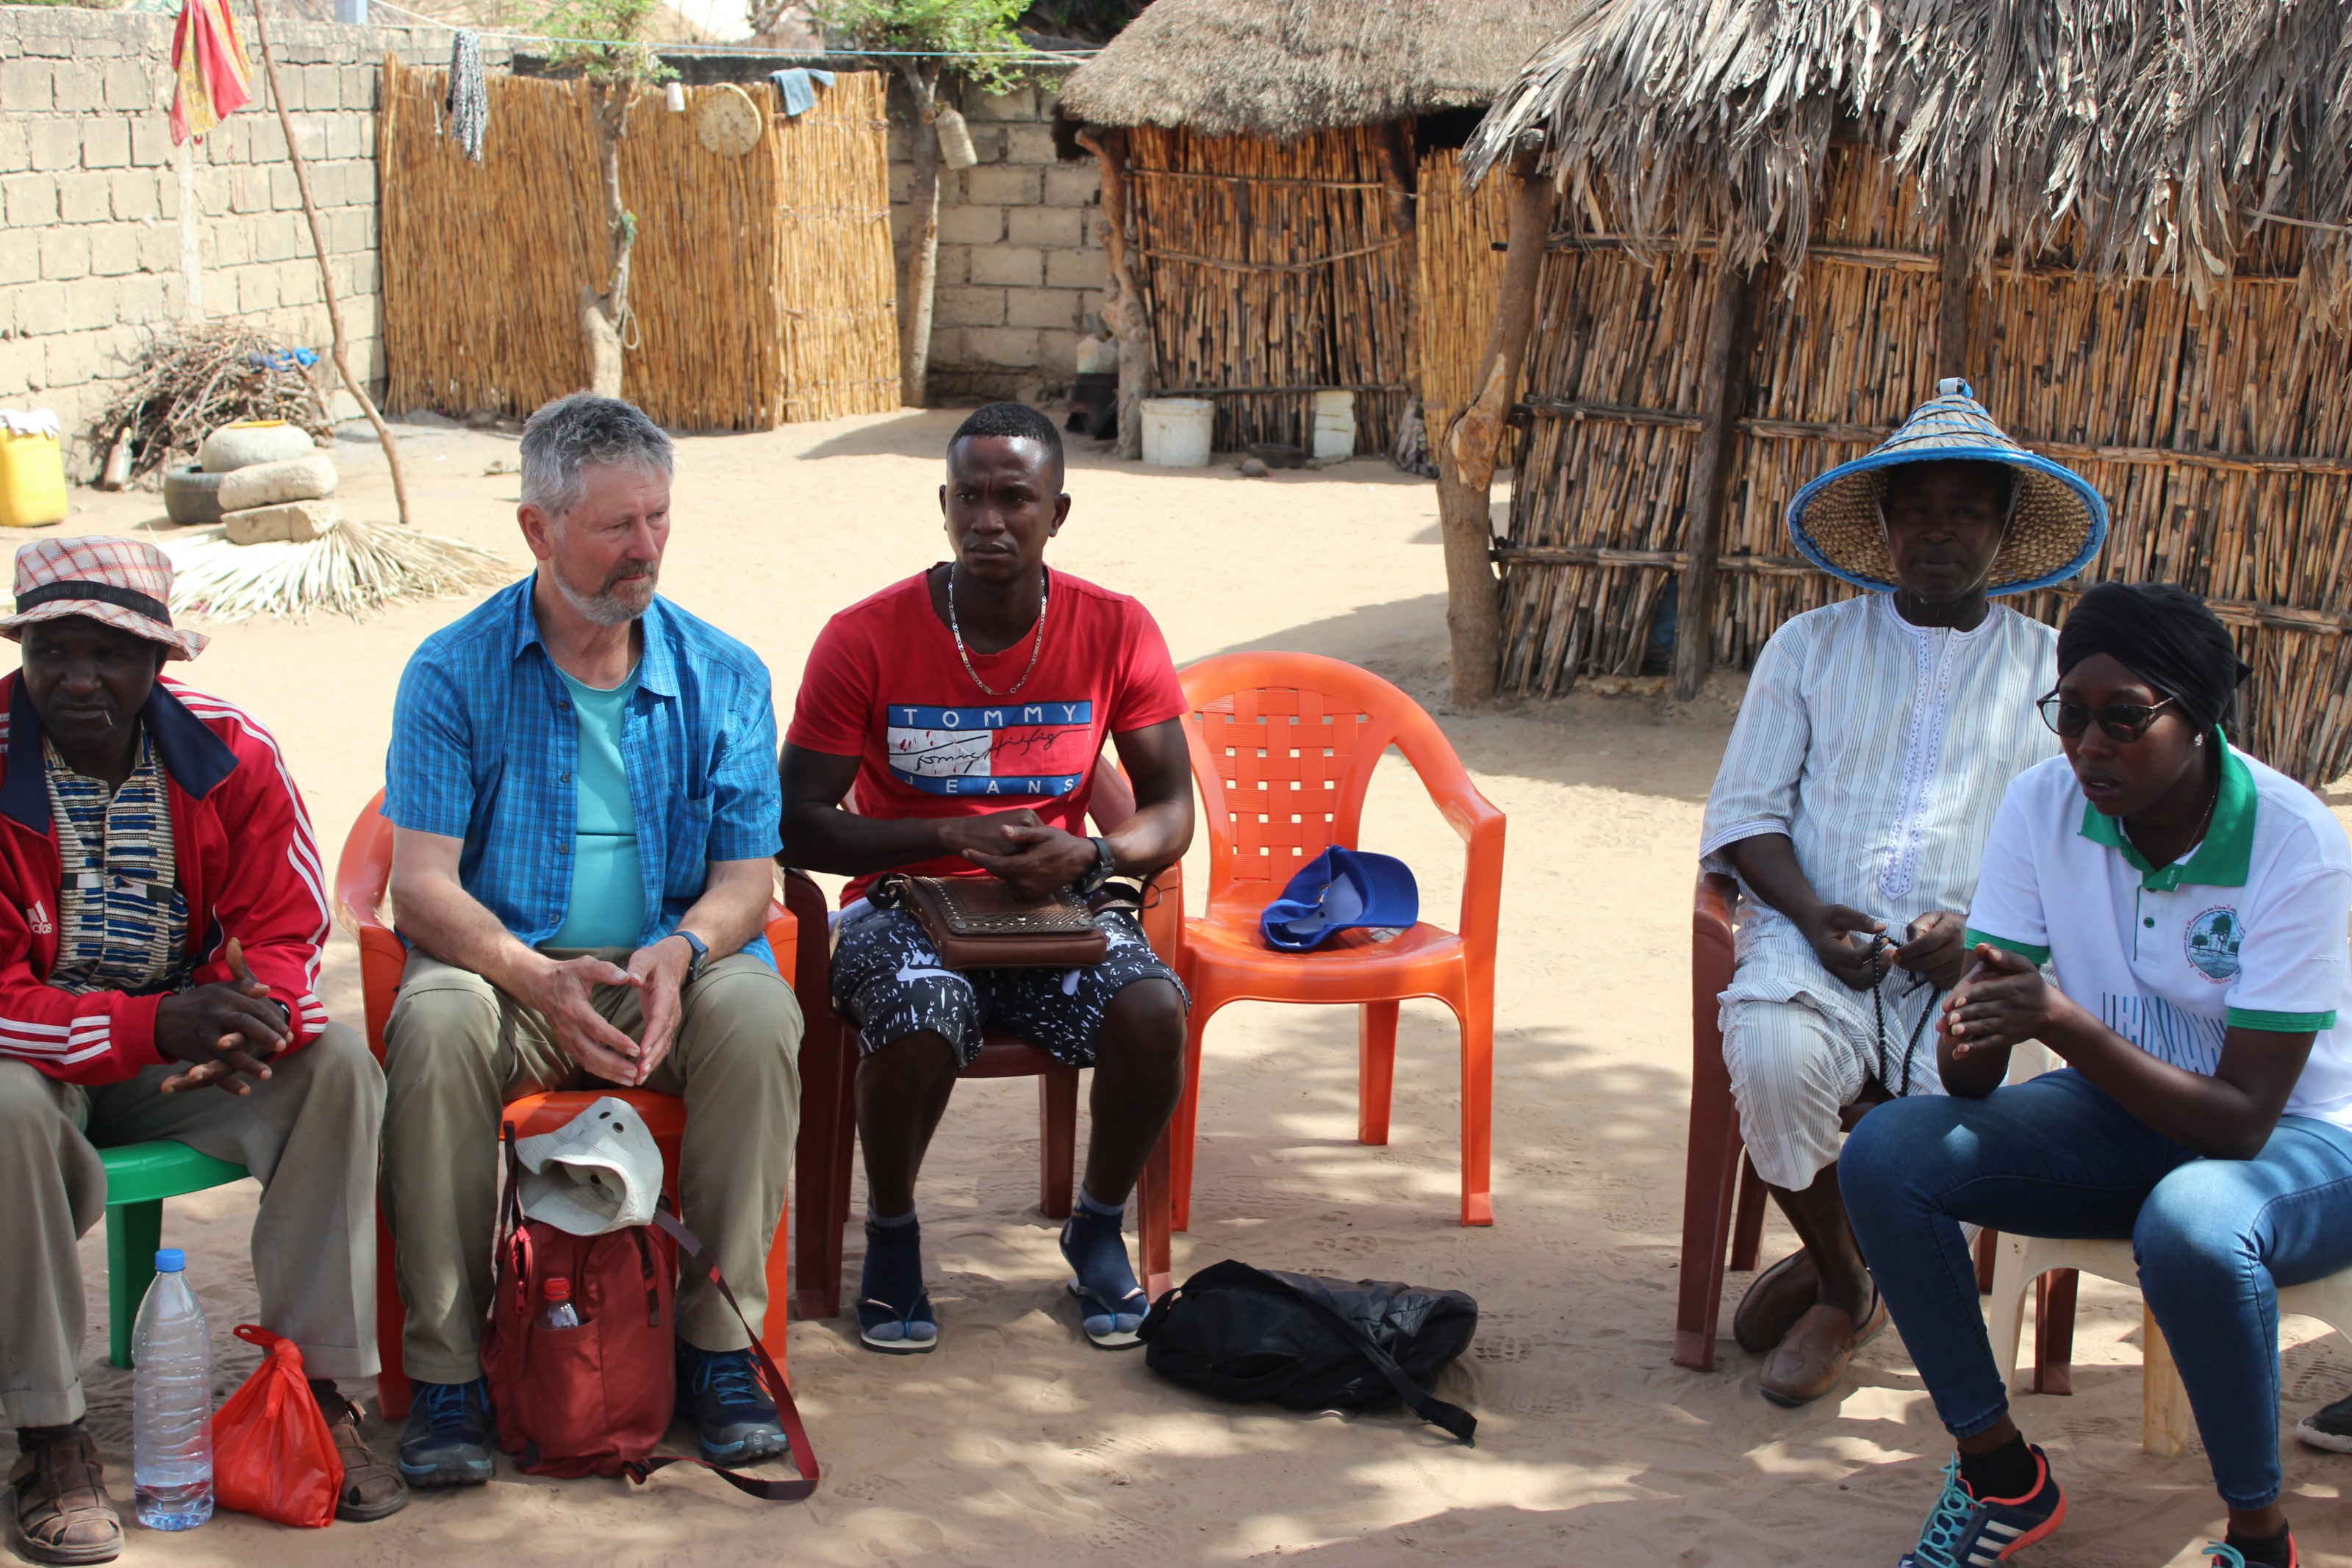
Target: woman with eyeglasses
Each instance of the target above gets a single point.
(2168, 915)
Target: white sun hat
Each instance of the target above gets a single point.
(2056, 524)
(600, 1171)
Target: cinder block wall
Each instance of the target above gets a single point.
(94, 252)
(1021, 259)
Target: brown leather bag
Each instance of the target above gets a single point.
(980, 923)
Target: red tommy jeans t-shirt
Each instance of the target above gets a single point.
(885, 684)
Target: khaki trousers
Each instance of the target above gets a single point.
(313, 1124)
(457, 1050)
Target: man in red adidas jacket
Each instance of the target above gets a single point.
(162, 908)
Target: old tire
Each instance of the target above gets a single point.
(191, 496)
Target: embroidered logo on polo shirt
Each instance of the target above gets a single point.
(2212, 942)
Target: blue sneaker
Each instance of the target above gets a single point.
(1964, 1531)
(734, 1420)
(447, 1442)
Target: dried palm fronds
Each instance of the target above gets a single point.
(351, 570)
(2147, 135)
(192, 380)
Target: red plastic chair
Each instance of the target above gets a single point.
(1717, 1155)
(1283, 745)
(361, 874)
(829, 1091)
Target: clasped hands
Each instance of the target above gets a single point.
(1844, 939)
(563, 993)
(1022, 849)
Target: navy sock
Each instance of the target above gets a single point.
(1094, 1247)
(2006, 1472)
(2270, 1551)
(894, 1260)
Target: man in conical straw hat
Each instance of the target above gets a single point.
(1871, 749)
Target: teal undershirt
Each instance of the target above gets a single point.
(608, 893)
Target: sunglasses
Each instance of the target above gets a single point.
(2120, 721)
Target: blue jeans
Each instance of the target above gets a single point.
(2055, 1156)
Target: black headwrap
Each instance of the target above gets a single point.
(2165, 635)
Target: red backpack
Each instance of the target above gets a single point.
(597, 1398)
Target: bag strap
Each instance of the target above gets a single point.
(803, 1452)
(1437, 1412)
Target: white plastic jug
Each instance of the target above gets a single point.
(1334, 434)
(1176, 430)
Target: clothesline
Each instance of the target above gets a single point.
(1036, 57)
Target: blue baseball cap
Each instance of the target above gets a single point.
(1339, 890)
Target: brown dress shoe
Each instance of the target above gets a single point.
(372, 1487)
(63, 1515)
(1812, 1360)
(1781, 1295)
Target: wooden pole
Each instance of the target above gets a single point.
(1123, 311)
(1955, 306)
(918, 293)
(1399, 174)
(1465, 473)
(1721, 393)
(357, 388)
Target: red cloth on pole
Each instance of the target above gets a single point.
(214, 80)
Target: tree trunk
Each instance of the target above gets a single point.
(604, 318)
(357, 388)
(920, 286)
(1474, 618)
(1956, 312)
(1123, 310)
(1721, 391)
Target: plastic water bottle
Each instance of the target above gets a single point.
(558, 1313)
(172, 1410)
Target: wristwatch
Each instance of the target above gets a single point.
(701, 954)
(1105, 864)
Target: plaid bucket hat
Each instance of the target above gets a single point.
(123, 584)
(2057, 521)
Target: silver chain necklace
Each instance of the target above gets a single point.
(956, 630)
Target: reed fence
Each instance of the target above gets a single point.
(2220, 435)
(1272, 271)
(763, 289)
(1461, 271)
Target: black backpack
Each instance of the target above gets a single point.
(1310, 1344)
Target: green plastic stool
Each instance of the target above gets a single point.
(138, 1178)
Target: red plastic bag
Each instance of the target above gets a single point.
(272, 1454)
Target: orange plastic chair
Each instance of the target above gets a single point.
(361, 874)
(829, 1055)
(1283, 748)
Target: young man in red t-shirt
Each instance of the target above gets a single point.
(967, 705)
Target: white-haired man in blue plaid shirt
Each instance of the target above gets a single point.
(582, 789)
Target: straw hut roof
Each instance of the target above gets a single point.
(1282, 69)
(2147, 136)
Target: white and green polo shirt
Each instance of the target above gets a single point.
(2247, 931)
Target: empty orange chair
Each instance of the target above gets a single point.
(1283, 748)
(361, 874)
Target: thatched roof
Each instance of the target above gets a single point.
(2163, 126)
(1284, 68)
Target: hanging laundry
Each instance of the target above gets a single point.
(797, 87)
(469, 93)
(214, 80)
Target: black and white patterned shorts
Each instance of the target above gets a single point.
(887, 981)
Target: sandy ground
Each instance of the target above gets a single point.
(1015, 1443)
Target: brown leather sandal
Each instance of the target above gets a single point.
(63, 1515)
(373, 1488)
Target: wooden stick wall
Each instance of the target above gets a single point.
(1272, 266)
(2220, 437)
(1460, 272)
(763, 287)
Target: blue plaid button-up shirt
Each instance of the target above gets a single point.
(486, 747)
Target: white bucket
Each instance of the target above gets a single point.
(1176, 430)
(1334, 432)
